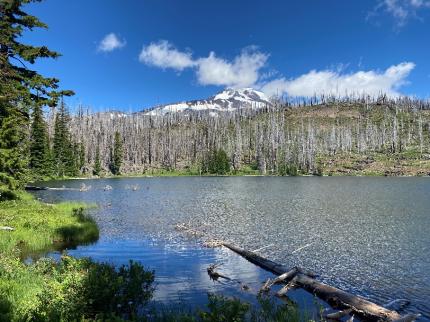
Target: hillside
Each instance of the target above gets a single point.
(353, 136)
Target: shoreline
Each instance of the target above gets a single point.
(229, 176)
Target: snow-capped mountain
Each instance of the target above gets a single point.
(225, 101)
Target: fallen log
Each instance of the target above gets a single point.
(290, 285)
(35, 188)
(338, 315)
(336, 298)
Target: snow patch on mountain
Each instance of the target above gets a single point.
(228, 100)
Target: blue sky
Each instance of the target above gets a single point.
(134, 54)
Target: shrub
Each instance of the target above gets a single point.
(217, 163)
(287, 169)
(80, 288)
(6, 195)
(222, 309)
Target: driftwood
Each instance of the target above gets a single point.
(7, 228)
(338, 315)
(336, 298)
(214, 275)
(266, 286)
(290, 285)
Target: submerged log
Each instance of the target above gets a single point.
(34, 188)
(335, 297)
(214, 275)
(408, 318)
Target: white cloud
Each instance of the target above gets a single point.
(333, 82)
(111, 42)
(248, 70)
(243, 71)
(401, 10)
(165, 55)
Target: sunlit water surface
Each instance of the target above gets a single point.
(369, 236)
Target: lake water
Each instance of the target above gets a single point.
(369, 236)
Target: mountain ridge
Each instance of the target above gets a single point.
(228, 100)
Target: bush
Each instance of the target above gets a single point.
(6, 195)
(287, 169)
(222, 309)
(80, 288)
(217, 163)
(318, 171)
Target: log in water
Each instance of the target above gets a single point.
(337, 298)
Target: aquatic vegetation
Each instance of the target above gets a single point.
(224, 309)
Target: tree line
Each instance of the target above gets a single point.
(290, 137)
(39, 138)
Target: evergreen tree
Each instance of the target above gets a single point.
(64, 150)
(218, 163)
(39, 144)
(81, 163)
(97, 164)
(20, 88)
(117, 154)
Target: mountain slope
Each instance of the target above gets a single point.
(226, 101)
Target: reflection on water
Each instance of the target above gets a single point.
(366, 235)
(181, 270)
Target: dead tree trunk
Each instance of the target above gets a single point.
(336, 298)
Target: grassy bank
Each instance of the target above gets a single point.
(38, 225)
(70, 289)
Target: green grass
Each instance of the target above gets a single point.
(38, 225)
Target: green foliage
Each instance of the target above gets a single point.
(222, 309)
(287, 169)
(13, 146)
(318, 171)
(217, 163)
(20, 88)
(39, 145)
(38, 225)
(6, 195)
(86, 232)
(81, 152)
(71, 290)
(66, 152)
(80, 288)
(117, 155)
(270, 311)
(97, 163)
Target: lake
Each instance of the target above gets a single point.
(366, 235)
